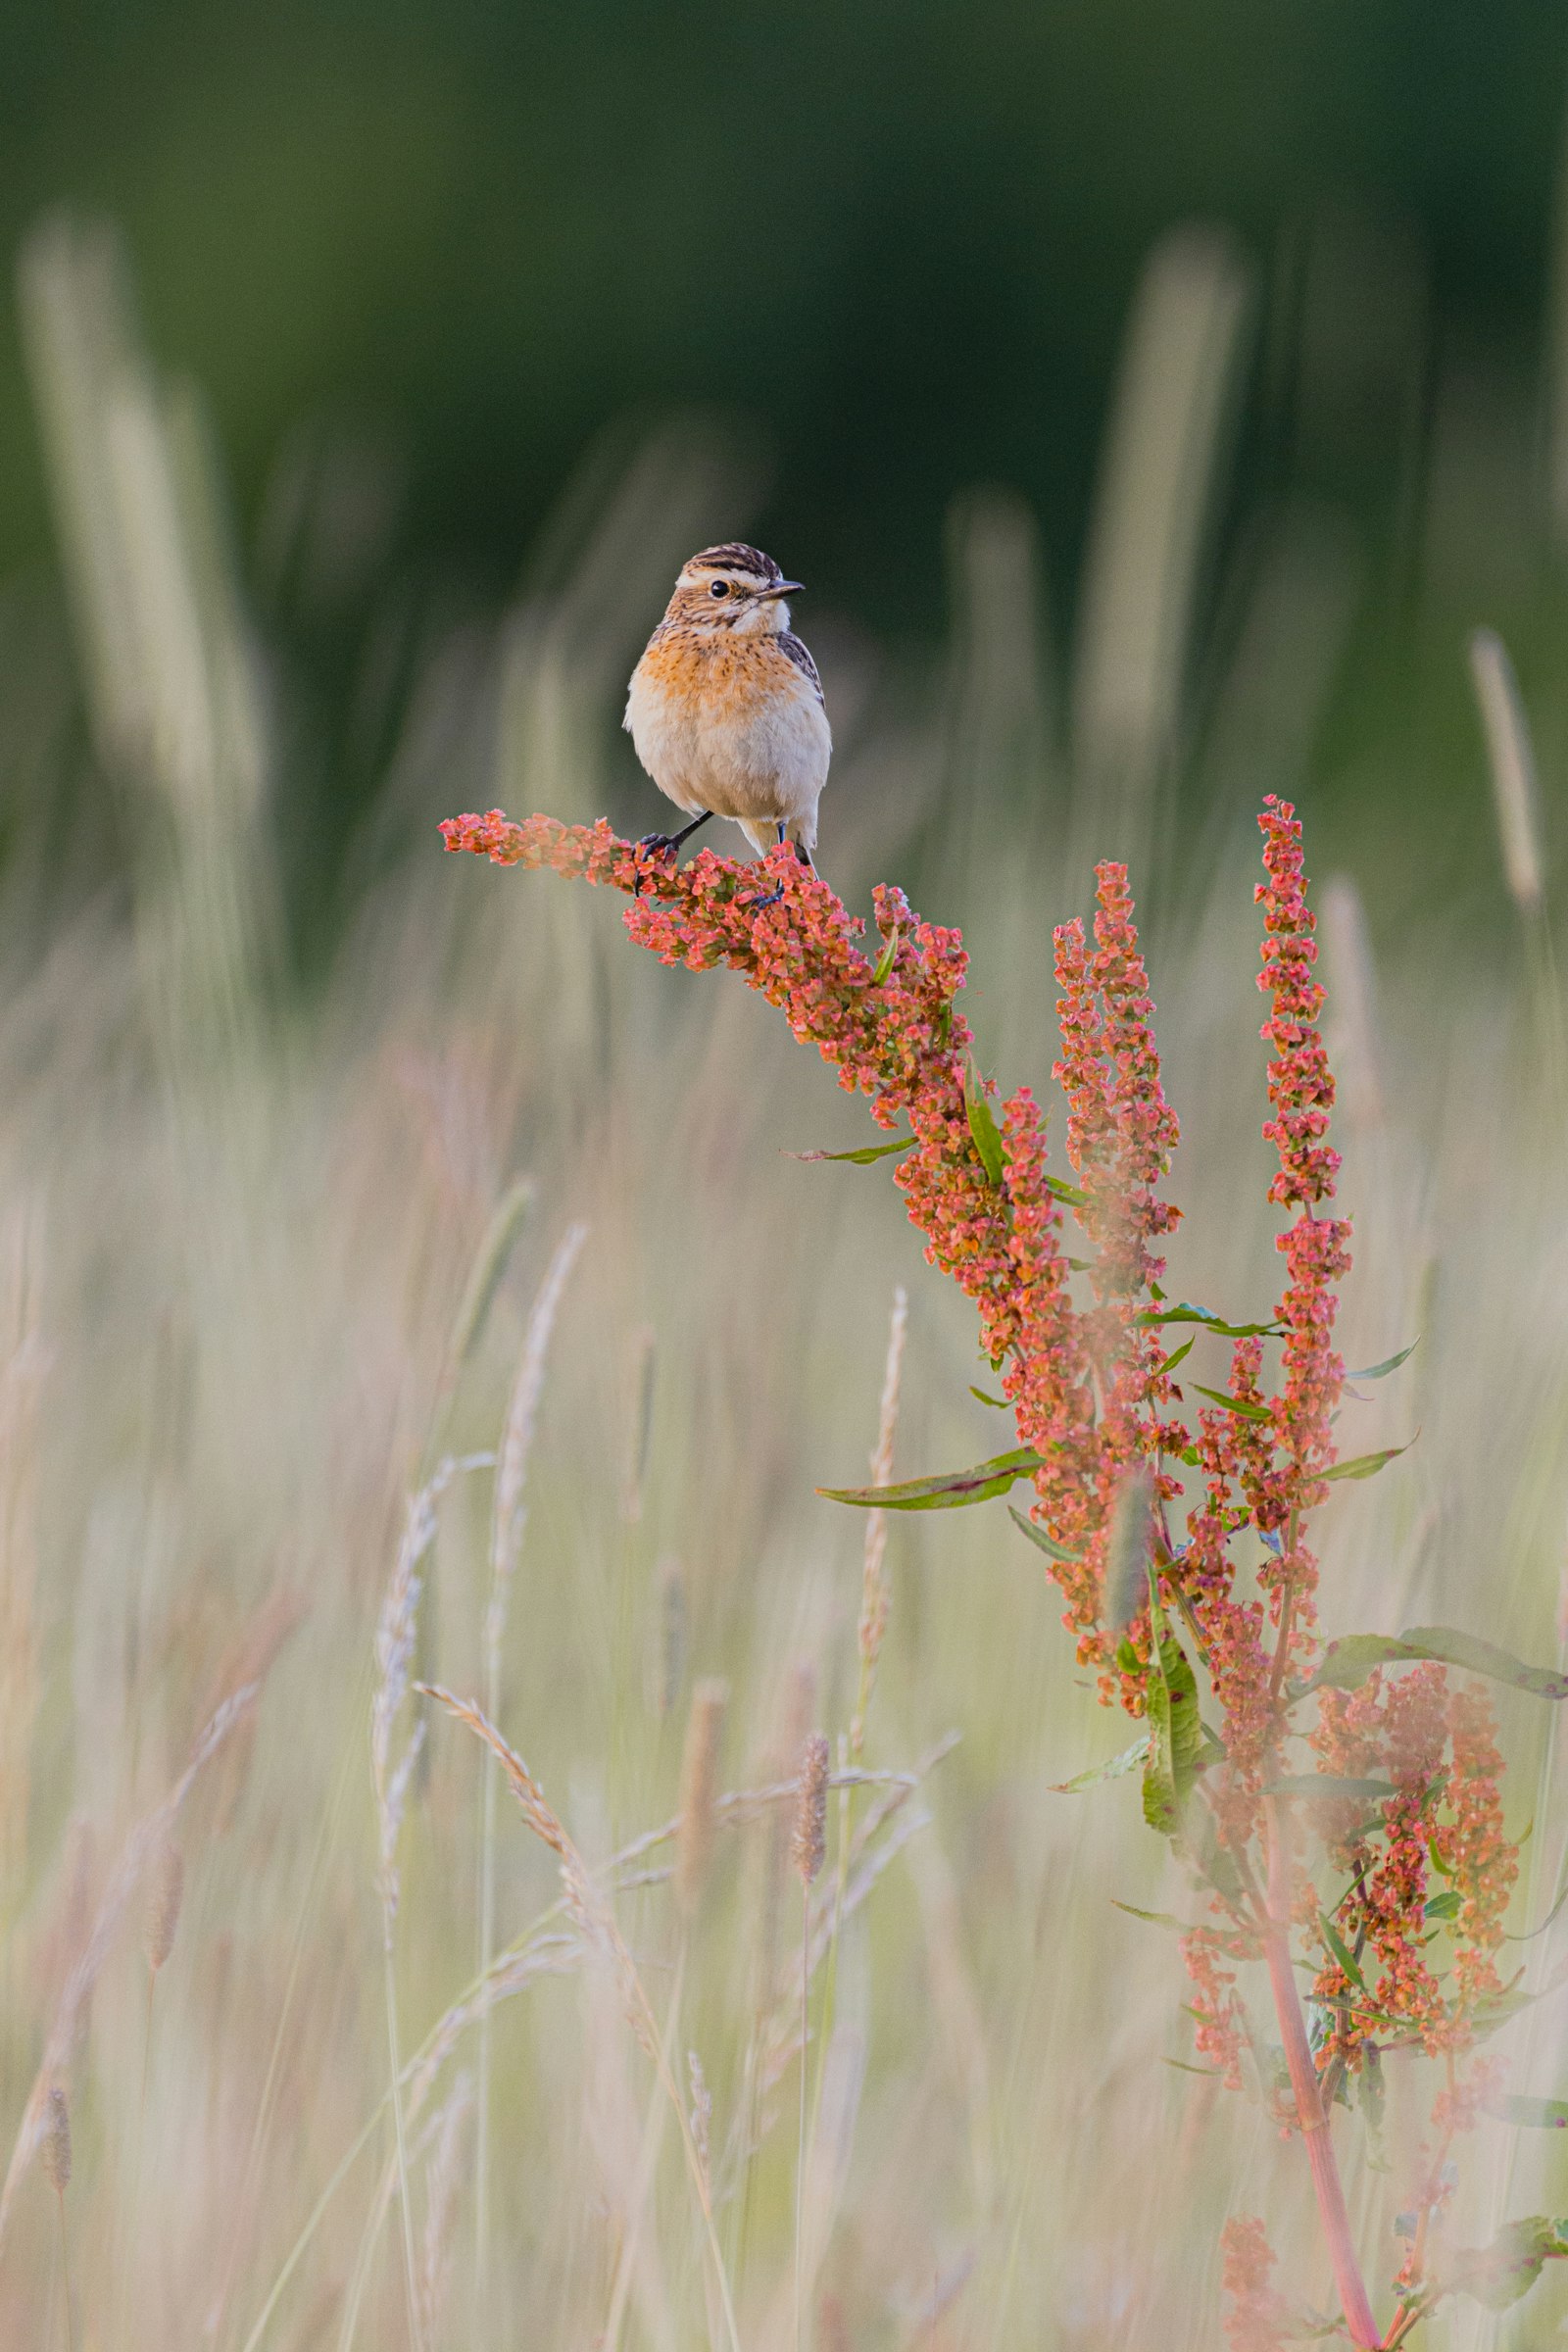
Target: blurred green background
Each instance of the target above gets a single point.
(884, 253)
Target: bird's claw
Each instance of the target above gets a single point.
(658, 843)
(760, 905)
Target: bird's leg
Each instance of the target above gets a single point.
(759, 905)
(672, 841)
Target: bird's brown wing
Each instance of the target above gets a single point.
(791, 645)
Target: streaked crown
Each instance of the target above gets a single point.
(747, 567)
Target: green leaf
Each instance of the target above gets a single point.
(1442, 1906)
(1236, 1404)
(863, 1156)
(1155, 1919)
(1185, 1312)
(1528, 1934)
(1128, 1762)
(1500, 2273)
(1390, 1363)
(1038, 1537)
(884, 962)
(942, 1493)
(1001, 1402)
(983, 1128)
(1342, 1951)
(1074, 1197)
(1184, 2066)
(1490, 2017)
(1175, 1733)
(1334, 1785)
(1367, 1465)
(1172, 1363)
(1531, 2114)
(1346, 1664)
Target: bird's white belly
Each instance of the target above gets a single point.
(758, 757)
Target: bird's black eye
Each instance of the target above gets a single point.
(719, 588)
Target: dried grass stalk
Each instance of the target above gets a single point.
(809, 1845)
(440, 2195)
(150, 1834)
(21, 1365)
(164, 1894)
(1513, 766)
(699, 1787)
(874, 1595)
(584, 1903)
(56, 2149)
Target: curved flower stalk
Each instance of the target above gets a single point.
(1178, 1538)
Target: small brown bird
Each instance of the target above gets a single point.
(725, 707)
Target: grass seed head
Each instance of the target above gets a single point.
(164, 1895)
(810, 1842)
(56, 2151)
(699, 1786)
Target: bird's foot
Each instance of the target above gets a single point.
(760, 905)
(659, 844)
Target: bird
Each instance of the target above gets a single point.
(725, 707)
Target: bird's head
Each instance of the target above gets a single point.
(732, 587)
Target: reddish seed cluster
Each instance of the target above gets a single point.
(902, 1042)
(1300, 1085)
(1255, 2319)
(1092, 1390)
(1481, 1863)
(1208, 1953)
(1121, 1133)
(1121, 1130)
(1437, 1746)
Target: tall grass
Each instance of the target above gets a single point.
(239, 1228)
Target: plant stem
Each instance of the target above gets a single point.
(1364, 2328)
(411, 2288)
(490, 1771)
(799, 2146)
(65, 2273)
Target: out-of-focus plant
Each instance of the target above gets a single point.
(1335, 1801)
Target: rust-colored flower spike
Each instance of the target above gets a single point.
(810, 1842)
(1256, 2318)
(164, 1895)
(56, 2151)
(699, 1786)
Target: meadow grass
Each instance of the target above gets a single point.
(274, 1267)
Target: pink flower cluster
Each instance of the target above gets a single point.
(1121, 1130)
(1300, 1085)
(1437, 1745)
(1255, 2320)
(901, 1041)
(1093, 1391)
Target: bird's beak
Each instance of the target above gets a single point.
(768, 595)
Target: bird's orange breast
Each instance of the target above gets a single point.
(719, 675)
